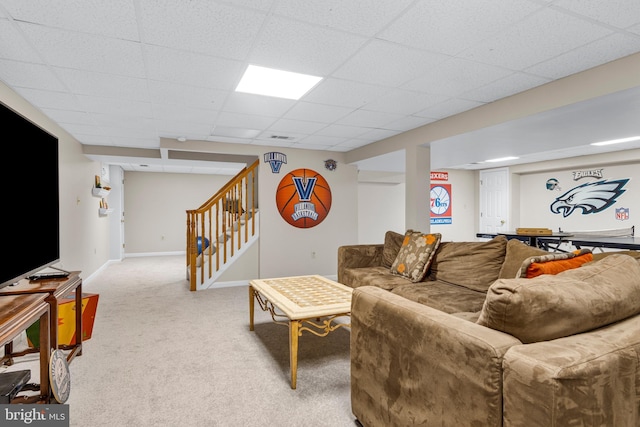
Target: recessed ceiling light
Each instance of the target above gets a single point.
(617, 141)
(281, 84)
(501, 159)
(182, 139)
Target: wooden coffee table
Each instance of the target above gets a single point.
(305, 303)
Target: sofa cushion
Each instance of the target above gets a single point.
(392, 243)
(443, 296)
(378, 276)
(554, 263)
(474, 265)
(415, 255)
(517, 253)
(574, 301)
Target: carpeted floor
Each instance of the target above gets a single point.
(161, 355)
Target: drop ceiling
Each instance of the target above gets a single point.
(125, 73)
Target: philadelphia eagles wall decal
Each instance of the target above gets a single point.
(592, 197)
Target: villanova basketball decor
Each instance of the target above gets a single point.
(592, 197)
(303, 198)
(275, 160)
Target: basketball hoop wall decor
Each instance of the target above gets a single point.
(303, 198)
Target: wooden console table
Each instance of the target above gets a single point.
(17, 313)
(54, 289)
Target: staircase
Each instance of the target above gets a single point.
(222, 229)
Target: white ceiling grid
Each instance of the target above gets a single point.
(127, 72)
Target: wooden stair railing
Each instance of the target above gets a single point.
(219, 229)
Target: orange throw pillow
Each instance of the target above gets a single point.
(558, 265)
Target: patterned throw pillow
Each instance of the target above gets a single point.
(554, 263)
(415, 255)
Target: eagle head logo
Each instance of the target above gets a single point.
(591, 197)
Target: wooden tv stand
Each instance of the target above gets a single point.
(17, 313)
(54, 288)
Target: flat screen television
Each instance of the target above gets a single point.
(30, 198)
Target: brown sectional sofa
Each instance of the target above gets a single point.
(474, 345)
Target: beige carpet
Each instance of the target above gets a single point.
(161, 355)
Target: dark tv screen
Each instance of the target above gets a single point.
(31, 213)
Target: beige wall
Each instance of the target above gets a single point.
(155, 208)
(84, 235)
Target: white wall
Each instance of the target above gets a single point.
(381, 208)
(287, 250)
(536, 199)
(155, 208)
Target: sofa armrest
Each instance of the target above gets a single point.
(587, 379)
(415, 365)
(356, 256)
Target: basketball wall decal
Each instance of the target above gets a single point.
(303, 198)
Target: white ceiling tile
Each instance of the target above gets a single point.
(25, 75)
(451, 26)
(256, 104)
(51, 99)
(399, 65)
(200, 26)
(180, 94)
(365, 17)
(183, 128)
(88, 128)
(192, 69)
(595, 53)
(302, 48)
(67, 116)
(235, 132)
(14, 46)
(403, 101)
(448, 108)
(124, 121)
(299, 126)
(127, 72)
(378, 134)
(273, 135)
(103, 105)
(104, 85)
(456, 76)
(130, 133)
(368, 118)
(345, 93)
(619, 13)
(113, 18)
(316, 112)
(182, 113)
(86, 51)
(522, 46)
(513, 83)
(408, 123)
(93, 139)
(238, 120)
(342, 131)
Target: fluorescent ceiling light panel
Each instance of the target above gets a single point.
(617, 141)
(281, 84)
(501, 159)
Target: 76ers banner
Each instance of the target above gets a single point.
(303, 198)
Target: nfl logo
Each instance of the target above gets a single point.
(622, 214)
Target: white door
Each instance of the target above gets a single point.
(494, 201)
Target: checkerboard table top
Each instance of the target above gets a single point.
(303, 297)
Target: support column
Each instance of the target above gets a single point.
(418, 179)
